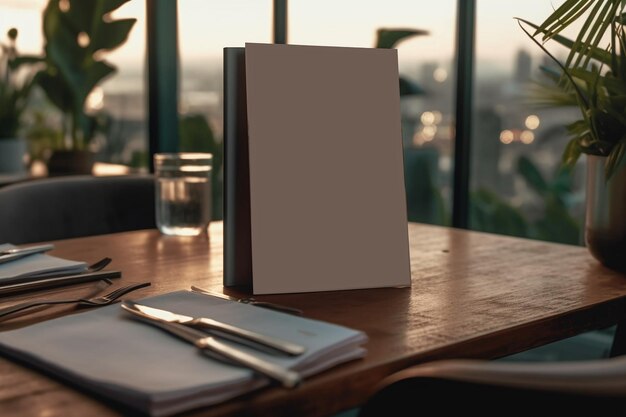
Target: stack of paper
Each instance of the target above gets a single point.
(112, 354)
(36, 266)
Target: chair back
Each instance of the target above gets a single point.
(488, 388)
(75, 206)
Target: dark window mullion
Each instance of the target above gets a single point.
(280, 21)
(464, 85)
(162, 50)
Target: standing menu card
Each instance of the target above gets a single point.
(327, 198)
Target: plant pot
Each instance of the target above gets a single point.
(605, 222)
(63, 162)
(12, 156)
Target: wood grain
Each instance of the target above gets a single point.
(474, 295)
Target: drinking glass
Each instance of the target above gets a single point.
(183, 193)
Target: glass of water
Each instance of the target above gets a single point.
(183, 193)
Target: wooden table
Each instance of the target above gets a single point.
(473, 295)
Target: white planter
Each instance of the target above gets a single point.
(12, 156)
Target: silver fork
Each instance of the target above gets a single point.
(102, 300)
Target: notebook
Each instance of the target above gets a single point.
(110, 353)
(36, 266)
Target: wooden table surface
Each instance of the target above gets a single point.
(473, 295)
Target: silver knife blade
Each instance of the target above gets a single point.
(209, 345)
(211, 324)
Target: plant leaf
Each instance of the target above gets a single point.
(409, 88)
(581, 97)
(615, 158)
(571, 153)
(73, 37)
(598, 54)
(531, 175)
(389, 38)
(116, 33)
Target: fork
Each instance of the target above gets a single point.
(102, 300)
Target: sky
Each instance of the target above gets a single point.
(206, 26)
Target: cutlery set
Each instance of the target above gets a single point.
(210, 345)
(100, 301)
(93, 273)
(206, 334)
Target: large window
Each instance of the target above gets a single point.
(204, 30)
(517, 184)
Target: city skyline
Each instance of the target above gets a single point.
(206, 27)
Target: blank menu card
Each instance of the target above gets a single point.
(327, 197)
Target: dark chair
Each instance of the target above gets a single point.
(74, 206)
(485, 388)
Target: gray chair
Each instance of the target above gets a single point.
(75, 206)
(486, 388)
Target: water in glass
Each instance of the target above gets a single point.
(183, 205)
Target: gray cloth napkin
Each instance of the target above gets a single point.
(36, 266)
(114, 355)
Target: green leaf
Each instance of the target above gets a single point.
(561, 184)
(73, 37)
(614, 86)
(551, 24)
(595, 24)
(531, 175)
(409, 88)
(615, 158)
(18, 61)
(582, 99)
(56, 90)
(596, 53)
(389, 38)
(489, 213)
(557, 225)
(116, 34)
(572, 152)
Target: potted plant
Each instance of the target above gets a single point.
(593, 77)
(13, 99)
(77, 35)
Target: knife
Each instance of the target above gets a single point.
(212, 347)
(211, 324)
(249, 300)
(12, 254)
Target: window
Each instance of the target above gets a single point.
(204, 30)
(517, 185)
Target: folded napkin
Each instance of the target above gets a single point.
(112, 354)
(36, 266)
